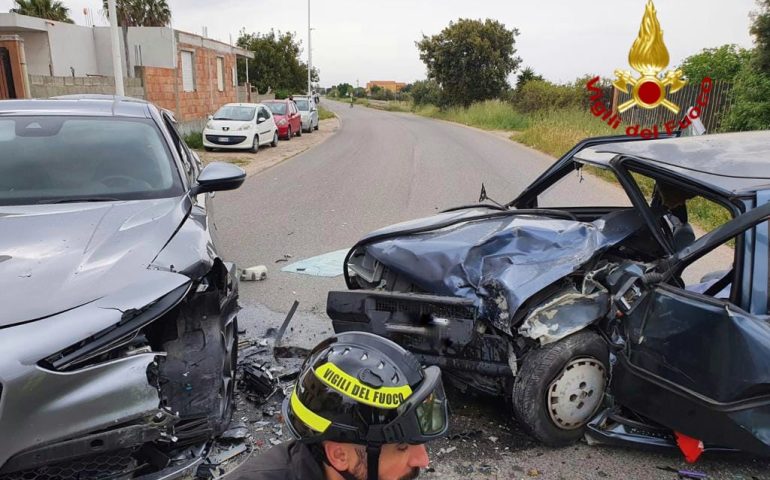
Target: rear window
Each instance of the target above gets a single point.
(303, 105)
(234, 112)
(70, 159)
(277, 108)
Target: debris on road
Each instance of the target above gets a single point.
(285, 258)
(253, 274)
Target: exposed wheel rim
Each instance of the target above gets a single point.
(575, 395)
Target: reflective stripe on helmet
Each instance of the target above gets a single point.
(308, 417)
(383, 397)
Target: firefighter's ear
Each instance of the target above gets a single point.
(342, 457)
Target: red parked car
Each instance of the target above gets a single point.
(287, 118)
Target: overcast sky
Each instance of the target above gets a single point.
(361, 40)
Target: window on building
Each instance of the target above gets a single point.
(220, 74)
(188, 79)
(235, 77)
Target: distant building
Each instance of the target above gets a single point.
(385, 85)
(188, 74)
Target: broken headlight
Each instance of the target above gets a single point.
(126, 335)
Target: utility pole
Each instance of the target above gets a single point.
(309, 53)
(117, 62)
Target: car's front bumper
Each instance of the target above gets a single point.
(234, 140)
(49, 415)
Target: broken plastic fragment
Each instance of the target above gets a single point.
(692, 448)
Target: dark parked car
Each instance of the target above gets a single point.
(118, 325)
(611, 317)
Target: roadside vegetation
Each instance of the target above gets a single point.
(324, 114)
(194, 140)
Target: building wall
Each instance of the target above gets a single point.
(45, 86)
(37, 52)
(72, 46)
(206, 98)
(156, 45)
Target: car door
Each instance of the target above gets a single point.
(296, 119)
(699, 364)
(265, 127)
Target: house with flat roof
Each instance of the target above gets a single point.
(187, 74)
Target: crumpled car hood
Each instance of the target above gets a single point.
(56, 257)
(507, 259)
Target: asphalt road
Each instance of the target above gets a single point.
(381, 168)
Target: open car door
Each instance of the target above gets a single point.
(700, 365)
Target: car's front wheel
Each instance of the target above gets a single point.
(560, 387)
(274, 143)
(255, 144)
(197, 375)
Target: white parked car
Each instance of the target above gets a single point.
(309, 113)
(240, 126)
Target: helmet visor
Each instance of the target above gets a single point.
(432, 412)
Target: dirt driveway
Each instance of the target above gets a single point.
(268, 156)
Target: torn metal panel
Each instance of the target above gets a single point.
(512, 257)
(566, 313)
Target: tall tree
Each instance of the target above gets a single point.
(138, 13)
(48, 9)
(276, 63)
(760, 29)
(470, 59)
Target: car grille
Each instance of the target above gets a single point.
(424, 309)
(106, 465)
(225, 140)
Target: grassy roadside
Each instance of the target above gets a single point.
(324, 114)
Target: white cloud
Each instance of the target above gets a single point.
(368, 40)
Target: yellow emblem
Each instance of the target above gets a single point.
(649, 56)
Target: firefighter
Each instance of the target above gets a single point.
(362, 409)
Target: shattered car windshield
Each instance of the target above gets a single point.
(69, 159)
(239, 114)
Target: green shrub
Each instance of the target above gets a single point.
(538, 95)
(281, 94)
(426, 92)
(751, 101)
(194, 140)
(489, 115)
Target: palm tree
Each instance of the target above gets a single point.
(139, 13)
(48, 9)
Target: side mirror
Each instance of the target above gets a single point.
(218, 176)
(261, 120)
(210, 117)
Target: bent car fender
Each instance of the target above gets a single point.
(566, 313)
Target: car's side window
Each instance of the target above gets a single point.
(190, 169)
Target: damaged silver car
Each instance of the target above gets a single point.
(609, 317)
(118, 330)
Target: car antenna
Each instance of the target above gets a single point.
(483, 196)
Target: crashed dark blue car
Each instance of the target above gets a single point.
(618, 320)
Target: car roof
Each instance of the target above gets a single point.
(241, 104)
(738, 163)
(87, 105)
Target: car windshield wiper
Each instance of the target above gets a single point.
(80, 199)
(221, 118)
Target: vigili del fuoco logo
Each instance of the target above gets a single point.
(649, 57)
